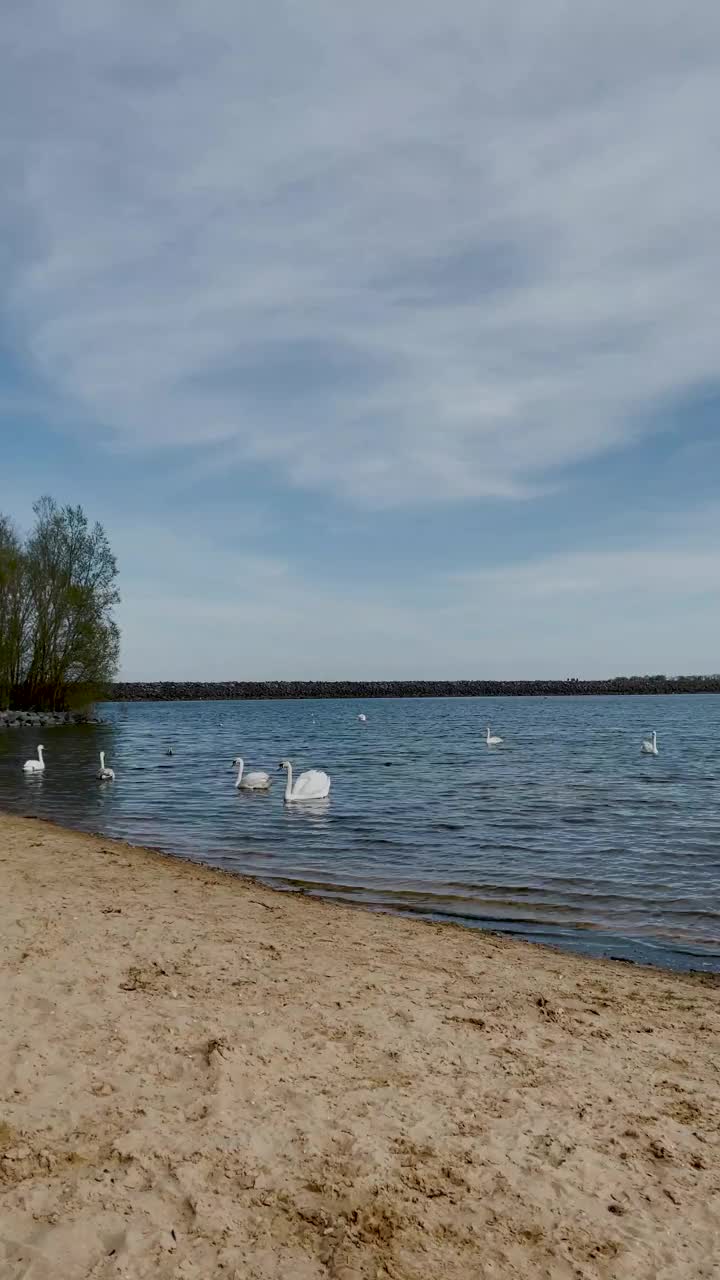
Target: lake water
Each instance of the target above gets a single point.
(566, 834)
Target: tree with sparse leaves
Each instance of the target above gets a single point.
(59, 643)
(14, 612)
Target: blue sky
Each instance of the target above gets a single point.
(382, 339)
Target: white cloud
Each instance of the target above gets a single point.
(644, 572)
(399, 253)
(199, 611)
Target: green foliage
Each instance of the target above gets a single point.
(59, 644)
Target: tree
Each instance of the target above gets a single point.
(56, 623)
(15, 610)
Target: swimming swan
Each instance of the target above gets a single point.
(105, 775)
(492, 738)
(35, 766)
(650, 746)
(257, 781)
(311, 785)
(362, 717)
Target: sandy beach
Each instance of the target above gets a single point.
(202, 1078)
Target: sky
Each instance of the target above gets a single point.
(383, 339)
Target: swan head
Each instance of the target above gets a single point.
(237, 760)
(284, 764)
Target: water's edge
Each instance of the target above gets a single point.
(422, 921)
(564, 835)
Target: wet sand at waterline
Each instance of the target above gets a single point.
(200, 1077)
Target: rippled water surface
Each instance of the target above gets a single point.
(565, 834)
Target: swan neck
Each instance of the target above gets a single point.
(102, 759)
(40, 753)
(288, 785)
(241, 767)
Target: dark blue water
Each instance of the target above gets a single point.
(565, 834)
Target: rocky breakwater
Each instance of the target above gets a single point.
(43, 719)
(171, 691)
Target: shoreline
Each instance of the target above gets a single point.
(204, 1076)
(396, 913)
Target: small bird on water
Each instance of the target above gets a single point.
(105, 774)
(35, 766)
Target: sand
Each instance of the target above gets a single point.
(202, 1078)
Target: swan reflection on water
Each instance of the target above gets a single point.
(311, 810)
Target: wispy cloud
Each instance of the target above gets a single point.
(213, 612)
(400, 254)
(251, 616)
(645, 572)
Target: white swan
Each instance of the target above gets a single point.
(492, 738)
(257, 781)
(362, 717)
(35, 766)
(650, 746)
(314, 784)
(105, 775)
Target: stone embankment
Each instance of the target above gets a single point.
(171, 691)
(43, 719)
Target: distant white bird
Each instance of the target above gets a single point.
(105, 775)
(492, 738)
(362, 717)
(314, 784)
(257, 781)
(35, 766)
(650, 746)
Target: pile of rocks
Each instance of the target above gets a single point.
(169, 691)
(43, 719)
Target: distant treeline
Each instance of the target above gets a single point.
(58, 641)
(194, 691)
